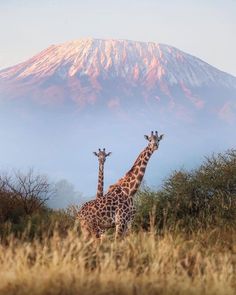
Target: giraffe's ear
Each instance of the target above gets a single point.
(146, 137)
(108, 154)
(161, 136)
(95, 154)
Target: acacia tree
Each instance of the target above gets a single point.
(7, 201)
(31, 189)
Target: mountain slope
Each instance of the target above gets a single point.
(117, 73)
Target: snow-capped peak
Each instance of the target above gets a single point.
(140, 62)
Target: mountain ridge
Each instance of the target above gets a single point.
(71, 48)
(112, 72)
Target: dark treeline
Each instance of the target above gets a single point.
(188, 201)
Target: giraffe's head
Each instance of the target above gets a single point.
(154, 140)
(101, 154)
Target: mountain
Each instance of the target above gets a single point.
(70, 99)
(119, 74)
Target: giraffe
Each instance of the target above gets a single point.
(102, 155)
(116, 208)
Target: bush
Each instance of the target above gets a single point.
(41, 224)
(202, 198)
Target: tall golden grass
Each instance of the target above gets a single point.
(142, 263)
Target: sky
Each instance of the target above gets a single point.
(204, 28)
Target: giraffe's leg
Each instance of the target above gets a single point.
(86, 234)
(102, 237)
(121, 224)
(89, 229)
(102, 234)
(95, 230)
(130, 220)
(129, 226)
(121, 229)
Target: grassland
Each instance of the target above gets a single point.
(142, 263)
(182, 242)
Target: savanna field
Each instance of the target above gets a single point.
(182, 241)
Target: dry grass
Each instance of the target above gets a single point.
(204, 263)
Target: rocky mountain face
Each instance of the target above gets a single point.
(119, 74)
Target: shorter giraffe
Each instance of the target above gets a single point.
(102, 155)
(116, 208)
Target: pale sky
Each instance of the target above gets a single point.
(206, 29)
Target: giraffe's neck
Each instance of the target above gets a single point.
(132, 179)
(100, 180)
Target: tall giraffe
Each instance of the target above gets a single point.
(116, 209)
(102, 155)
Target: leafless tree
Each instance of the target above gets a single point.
(31, 189)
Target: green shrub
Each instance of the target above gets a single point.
(40, 224)
(202, 198)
